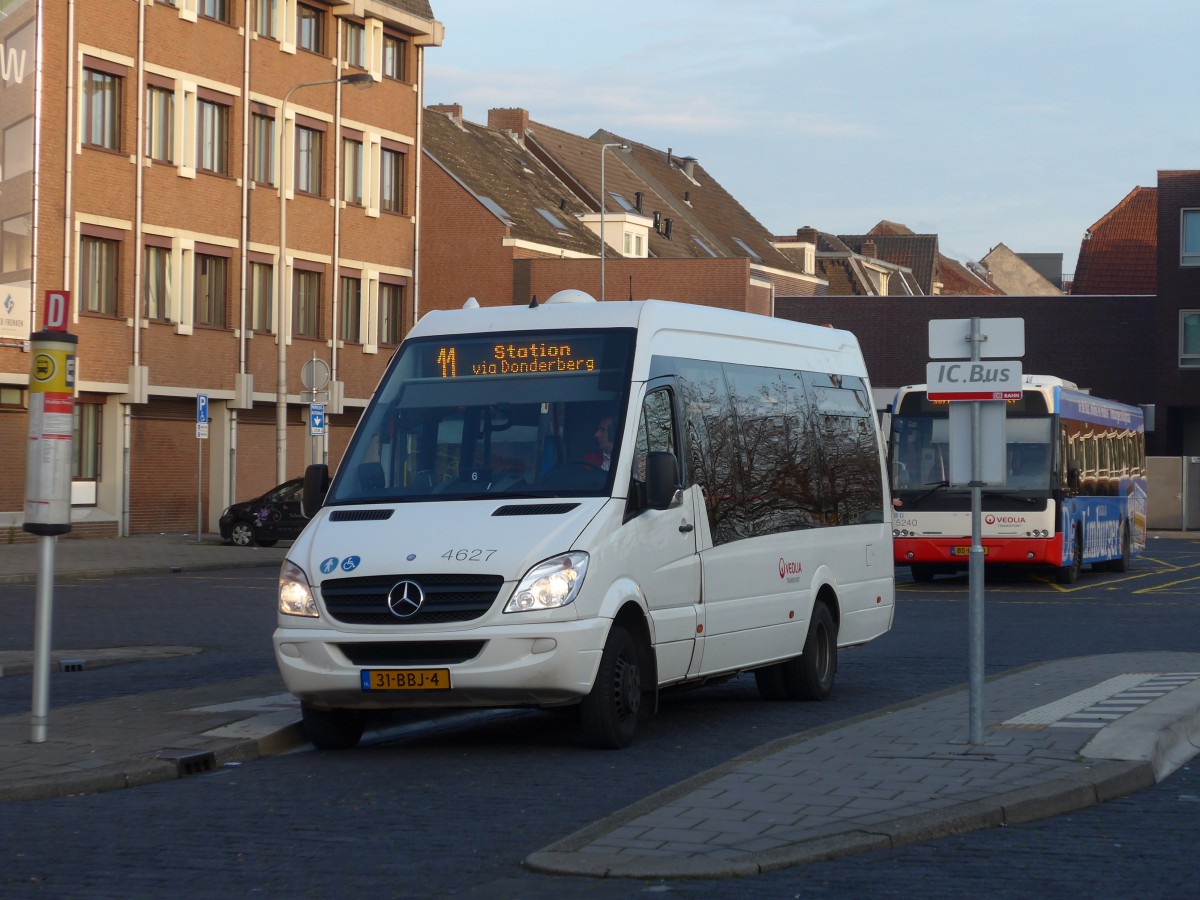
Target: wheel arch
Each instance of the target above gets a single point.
(633, 619)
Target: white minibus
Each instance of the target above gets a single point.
(582, 504)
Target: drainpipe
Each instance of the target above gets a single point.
(245, 244)
(336, 279)
(418, 152)
(69, 162)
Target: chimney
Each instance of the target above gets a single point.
(869, 250)
(667, 229)
(453, 110)
(689, 167)
(806, 235)
(638, 196)
(515, 121)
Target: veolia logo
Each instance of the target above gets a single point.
(789, 568)
(1004, 520)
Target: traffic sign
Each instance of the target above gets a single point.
(1002, 338)
(57, 304)
(984, 380)
(202, 431)
(316, 419)
(202, 409)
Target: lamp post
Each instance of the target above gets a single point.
(603, 241)
(282, 294)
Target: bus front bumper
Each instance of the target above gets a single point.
(946, 551)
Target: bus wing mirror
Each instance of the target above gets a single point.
(662, 480)
(316, 484)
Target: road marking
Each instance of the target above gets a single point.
(1097, 706)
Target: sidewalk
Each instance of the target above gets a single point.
(1059, 736)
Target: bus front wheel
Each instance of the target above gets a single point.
(609, 713)
(1121, 563)
(333, 729)
(1069, 574)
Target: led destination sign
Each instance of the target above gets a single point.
(515, 357)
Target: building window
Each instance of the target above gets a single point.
(352, 180)
(262, 149)
(395, 57)
(262, 289)
(215, 9)
(157, 283)
(354, 45)
(391, 310)
(310, 29)
(351, 296)
(391, 180)
(264, 18)
(16, 244)
(212, 286)
(212, 141)
(1189, 338)
(160, 124)
(98, 274)
(306, 289)
(101, 110)
(1189, 238)
(85, 465)
(18, 148)
(308, 160)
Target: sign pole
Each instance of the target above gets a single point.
(48, 481)
(975, 560)
(201, 437)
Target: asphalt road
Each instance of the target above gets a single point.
(450, 808)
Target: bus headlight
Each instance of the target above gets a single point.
(295, 596)
(550, 584)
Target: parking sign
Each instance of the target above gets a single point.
(316, 419)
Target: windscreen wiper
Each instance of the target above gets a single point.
(937, 486)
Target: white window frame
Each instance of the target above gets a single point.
(1188, 360)
(1189, 218)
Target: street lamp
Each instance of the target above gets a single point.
(282, 294)
(603, 147)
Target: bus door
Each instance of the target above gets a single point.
(665, 541)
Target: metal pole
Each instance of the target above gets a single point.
(41, 641)
(975, 570)
(281, 300)
(603, 148)
(199, 487)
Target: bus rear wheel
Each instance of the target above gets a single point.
(810, 675)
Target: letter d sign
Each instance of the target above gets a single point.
(57, 304)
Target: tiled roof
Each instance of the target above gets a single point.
(706, 221)
(494, 167)
(576, 161)
(416, 7)
(1118, 255)
(918, 252)
(960, 281)
(699, 198)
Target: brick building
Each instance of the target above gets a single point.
(165, 129)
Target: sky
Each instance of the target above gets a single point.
(1020, 122)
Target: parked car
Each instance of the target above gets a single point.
(267, 519)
